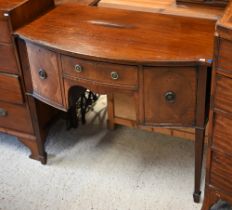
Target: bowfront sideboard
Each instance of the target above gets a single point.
(162, 66)
(109, 52)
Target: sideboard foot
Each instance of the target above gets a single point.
(197, 196)
(199, 150)
(36, 153)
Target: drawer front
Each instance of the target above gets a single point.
(105, 73)
(222, 138)
(223, 93)
(224, 58)
(170, 95)
(15, 117)
(45, 74)
(8, 61)
(5, 35)
(221, 172)
(10, 89)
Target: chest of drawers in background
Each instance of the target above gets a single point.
(219, 163)
(15, 115)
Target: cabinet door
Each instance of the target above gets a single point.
(45, 74)
(170, 95)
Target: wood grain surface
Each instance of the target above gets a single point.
(166, 7)
(160, 38)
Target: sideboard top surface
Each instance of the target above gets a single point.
(122, 35)
(7, 5)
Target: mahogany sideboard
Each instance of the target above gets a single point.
(219, 160)
(15, 114)
(111, 52)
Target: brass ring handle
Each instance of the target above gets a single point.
(3, 113)
(170, 97)
(114, 75)
(78, 68)
(43, 74)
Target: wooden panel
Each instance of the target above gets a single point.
(223, 93)
(221, 172)
(222, 138)
(28, 11)
(5, 32)
(101, 72)
(206, 2)
(224, 58)
(8, 61)
(10, 4)
(10, 89)
(16, 117)
(181, 82)
(165, 7)
(100, 33)
(48, 88)
(124, 106)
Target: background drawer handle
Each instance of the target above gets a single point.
(114, 75)
(42, 74)
(170, 96)
(3, 113)
(78, 68)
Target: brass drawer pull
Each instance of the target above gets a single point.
(78, 68)
(3, 113)
(114, 75)
(170, 96)
(42, 74)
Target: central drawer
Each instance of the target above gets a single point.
(104, 73)
(10, 89)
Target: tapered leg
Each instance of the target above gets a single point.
(199, 150)
(37, 147)
(110, 104)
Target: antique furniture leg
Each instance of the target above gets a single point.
(110, 104)
(199, 150)
(35, 150)
(38, 151)
(201, 118)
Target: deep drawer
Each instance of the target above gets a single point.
(45, 74)
(224, 58)
(5, 35)
(15, 117)
(222, 138)
(223, 93)
(8, 61)
(105, 73)
(10, 89)
(170, 95)
(221, 172)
